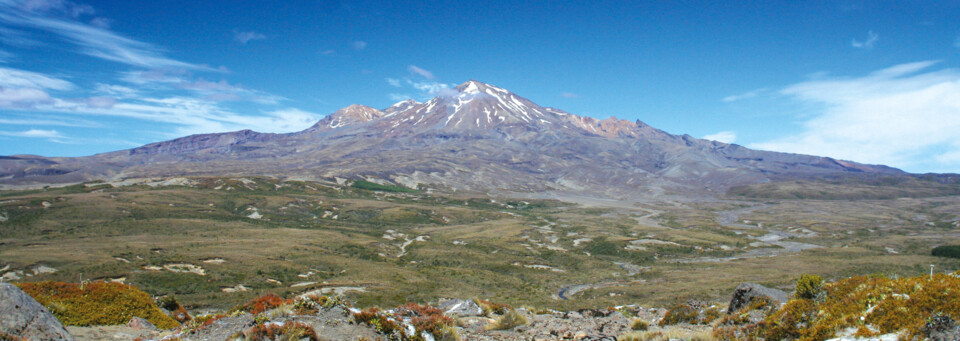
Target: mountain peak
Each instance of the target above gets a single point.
(474, 86)
(353, 114)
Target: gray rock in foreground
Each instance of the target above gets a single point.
(460, 307)
(748, 292)
(23, 316)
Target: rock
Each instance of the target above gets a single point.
(941, 327)
(747, 292)
(460, 307)
(25, 317)
(587, 313)
(140, 323)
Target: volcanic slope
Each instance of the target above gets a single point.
(475, 137)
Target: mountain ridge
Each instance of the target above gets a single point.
(475, 136)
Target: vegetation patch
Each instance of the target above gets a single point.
(95, 304)
(367, 185)
(872, 306)
(422, 319)
(289, 330)
(951, 251)
(262, 304)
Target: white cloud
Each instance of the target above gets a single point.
(33, 133)
(26, 79)
(103, 23)
(22, 97)
(247, 36)
(569, 95)
(359, 45)
(866, 44)
(420, 71)
(49, 121)
(899, 116)
(430, 88)
(93, 40)
(394, 82)
(723, 136)
(745, 95)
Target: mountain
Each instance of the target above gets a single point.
(474, 137)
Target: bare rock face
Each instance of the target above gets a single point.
(460, 307)
(748, 292)
(22, 316)
(140, 323)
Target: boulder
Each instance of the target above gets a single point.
(748, 292)
(24, 317)
(140, 323)
(460, 307)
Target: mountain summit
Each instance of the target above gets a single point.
(475, 136)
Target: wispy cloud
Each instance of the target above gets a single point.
(103, 23)
(34, 133)
(59, 121)
(93, 40)
(420, 71)
(359, 45)
(745, 95)
(246, 36)
(723, 136)
(394, 82)
(430, 88)
(866, 44)
(399, 97)
(5, 56)
(569, 95)
(904, 116)
(16, 78)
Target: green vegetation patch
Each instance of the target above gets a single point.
(950, 251)
(97, 304)
(367, 185)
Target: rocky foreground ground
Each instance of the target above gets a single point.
(859, 308)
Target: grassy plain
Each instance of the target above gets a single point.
(289, 237)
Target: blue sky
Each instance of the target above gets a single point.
(868, 81)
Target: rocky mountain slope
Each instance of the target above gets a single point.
(475, 137)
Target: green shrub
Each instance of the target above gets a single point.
(97, 304)
(378, 187)
(639, 324)
(808, 286)
(951, 251)
(682, 313)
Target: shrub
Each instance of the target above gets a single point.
(425, 318)
(787, 322)
(639, 324)
(951, 251)
(903, 305)
(666, 335)
(174, 309)
(510, 320)
(682, 313)
(808, 286)
(290, 330)
(97, 303)
(262, 304)
(379, 321)
(492, 308)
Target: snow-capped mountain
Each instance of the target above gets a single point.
(475, 136)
